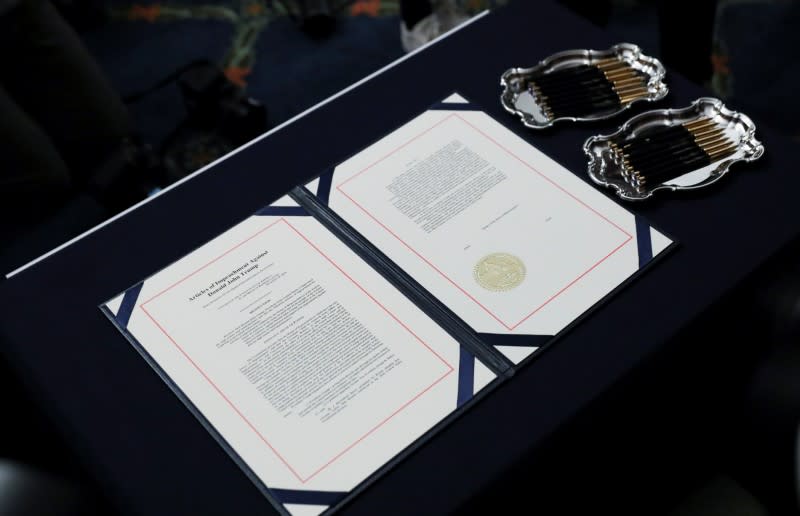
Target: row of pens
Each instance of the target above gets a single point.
(660, 155)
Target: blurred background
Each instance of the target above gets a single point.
(175, 85)
(110, 101)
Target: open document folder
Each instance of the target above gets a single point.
(330, 333)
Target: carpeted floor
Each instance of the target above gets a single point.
(255, 42)
(264, 51)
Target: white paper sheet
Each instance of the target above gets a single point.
(507, 238)
(310, 365)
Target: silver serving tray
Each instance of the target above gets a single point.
(518, 98)
(605, 169)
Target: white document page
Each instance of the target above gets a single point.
(309, 364)
(504, 236)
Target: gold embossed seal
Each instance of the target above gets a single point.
(499, 272)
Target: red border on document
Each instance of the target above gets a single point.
(512, 326)
(302, 479)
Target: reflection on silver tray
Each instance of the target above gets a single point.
(606, 169)
(518, 98)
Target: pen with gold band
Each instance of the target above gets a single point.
(669, 152)
(583, 89)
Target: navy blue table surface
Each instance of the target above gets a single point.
(153, 457)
